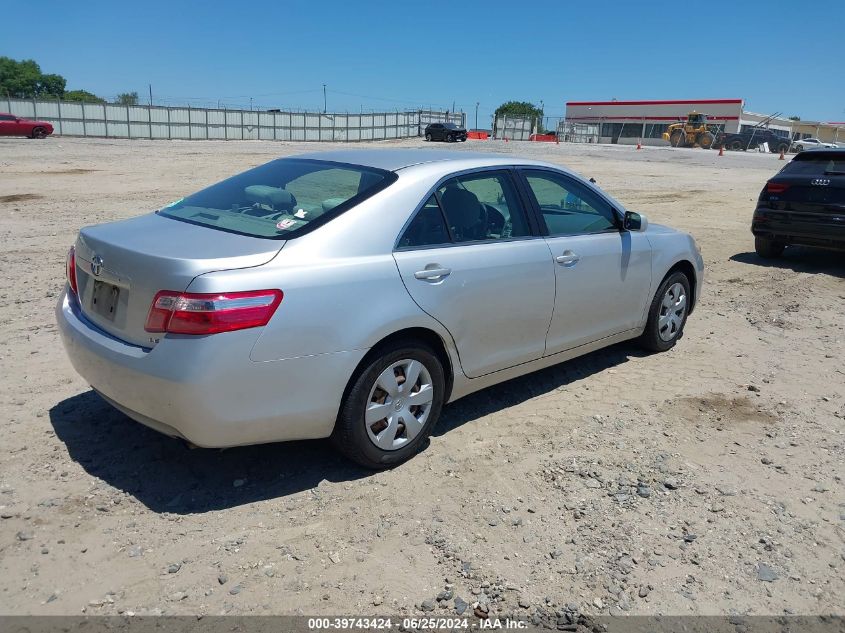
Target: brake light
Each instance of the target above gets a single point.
(776, 187)
(193, 313)
(70, 270)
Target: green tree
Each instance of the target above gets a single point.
(127, 98)
(24, 80)
(522, 110)
(82, 95)
(795, 117)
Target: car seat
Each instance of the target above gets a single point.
(465, 214)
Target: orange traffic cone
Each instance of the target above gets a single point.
(781, 157)
(721, 150)
(506, 139)
(639, 145)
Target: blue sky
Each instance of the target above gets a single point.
(396, 54)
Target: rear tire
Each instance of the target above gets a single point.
(768, 248)
(450, 138)
(799, 148)
(667, 314)
(736, 146)
(355, 436)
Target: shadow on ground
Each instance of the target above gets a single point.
(166, 476)
(800, 260)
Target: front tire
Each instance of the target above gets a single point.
(667, 314)
(737, 146)
(677, 139)
(391, 407)
(768, 248)
(39, 132)
(705, 140)
(799, 148)
(428, 136)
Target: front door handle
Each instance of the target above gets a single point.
(433, 274)
(568, 258)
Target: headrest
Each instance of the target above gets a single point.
(461, 207)
(275, 197)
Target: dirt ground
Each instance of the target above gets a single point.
(707, 480)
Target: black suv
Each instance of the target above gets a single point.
(752, 140)
(803, 204)
(445, 132)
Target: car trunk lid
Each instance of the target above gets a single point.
(120, 266)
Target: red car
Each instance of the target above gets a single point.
(11, 125)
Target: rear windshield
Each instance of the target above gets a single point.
(281, 199)
(816, 163)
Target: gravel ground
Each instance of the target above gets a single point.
(707, 480)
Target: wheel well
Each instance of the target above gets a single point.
(688, 269)
(424, 335)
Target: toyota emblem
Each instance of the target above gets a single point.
(96, 265)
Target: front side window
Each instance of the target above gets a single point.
(277, 199)
(567, 207)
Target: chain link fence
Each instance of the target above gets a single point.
(107, 120)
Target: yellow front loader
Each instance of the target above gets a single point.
(694, 131)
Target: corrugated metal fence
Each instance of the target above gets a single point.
(108, 120)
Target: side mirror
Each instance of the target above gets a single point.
(634, 221)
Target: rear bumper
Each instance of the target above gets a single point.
(820, 230)
(206, 389)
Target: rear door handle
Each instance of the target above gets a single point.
(568, 258)
(433, 273)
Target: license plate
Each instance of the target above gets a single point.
(818, 195)
(104, 299)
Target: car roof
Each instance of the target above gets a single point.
(396, 159)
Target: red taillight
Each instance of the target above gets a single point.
(70, 269)
(776, 187)
(192, 313)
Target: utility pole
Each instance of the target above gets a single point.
(476, 115)
(324, 99)
(151, 94)
(250, 104)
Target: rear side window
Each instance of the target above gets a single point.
(816, 164)
(427, 228)
(482, 206)
(477, 207)
(281, 199)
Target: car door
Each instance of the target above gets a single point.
(471, 259)
(602, 273)
(8, 125)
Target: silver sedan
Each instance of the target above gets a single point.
(353, 294)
